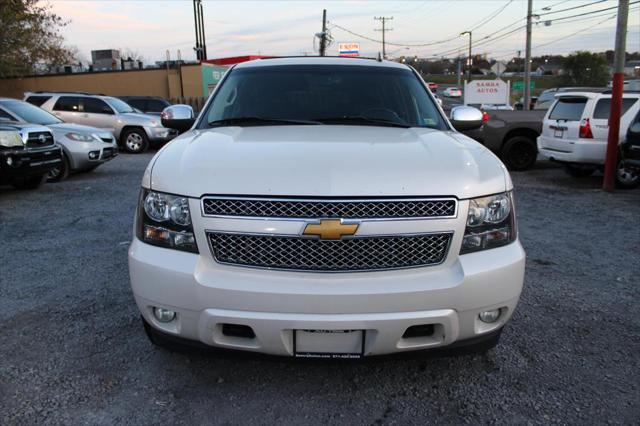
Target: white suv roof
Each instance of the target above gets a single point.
(320, 60)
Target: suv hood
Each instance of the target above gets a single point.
(325, 160)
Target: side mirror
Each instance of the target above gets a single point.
(178, 117)
(466, 118)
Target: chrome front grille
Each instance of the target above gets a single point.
(311, 254)
(344, 209)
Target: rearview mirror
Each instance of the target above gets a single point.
(466, 118)
(178, 117)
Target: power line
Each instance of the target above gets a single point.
(572, 8)
(589, 13)
(491, 16)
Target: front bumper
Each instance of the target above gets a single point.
(85, 155)
(207, 295)
(582, 151)
(160, 134)
(28, 162)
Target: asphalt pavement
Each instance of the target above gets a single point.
(74, 352)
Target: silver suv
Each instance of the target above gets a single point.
(134, 131)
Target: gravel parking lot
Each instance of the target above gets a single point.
(73, 348)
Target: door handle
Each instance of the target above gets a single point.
(85, 115)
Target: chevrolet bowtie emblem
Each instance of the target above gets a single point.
(330, 229)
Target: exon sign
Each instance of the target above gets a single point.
(349, 49)
(486, 92)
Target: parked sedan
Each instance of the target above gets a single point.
(84, 148)
(452, 92)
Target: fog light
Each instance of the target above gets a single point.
(164, 315)
(9, 160)
(93, 155)
(490, 316)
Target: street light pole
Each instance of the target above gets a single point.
(469, 62)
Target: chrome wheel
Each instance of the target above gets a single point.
(626, 176)
(134, 142)
(54, 173)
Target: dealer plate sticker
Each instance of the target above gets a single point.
(333, 344)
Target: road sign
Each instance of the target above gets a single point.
(349, 49)
(519, 85)
(486, 92)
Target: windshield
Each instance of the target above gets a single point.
(29, 113)
(323, 94)
(119, 105)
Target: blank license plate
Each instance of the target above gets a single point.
(344, 344)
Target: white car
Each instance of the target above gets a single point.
(452, 92)
(325, 207)
(575, 132)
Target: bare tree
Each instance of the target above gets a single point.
(30, 38)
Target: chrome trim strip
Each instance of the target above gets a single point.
(316, 271)
(329, 200)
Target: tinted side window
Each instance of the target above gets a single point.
(38, 100)
(156, 105)
(95, 106)
(67, 103)
(4, 114)
(138, 103)
(603, 107)
(569, 109)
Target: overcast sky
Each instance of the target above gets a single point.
(150, 27)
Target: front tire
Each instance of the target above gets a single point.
(134, 141)
(579, 171)
(61, 172)
(519, 153)
(31, 182)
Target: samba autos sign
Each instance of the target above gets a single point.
(486, 92)
(349, 49)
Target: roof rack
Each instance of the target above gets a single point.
(315, 56)
(71, 93)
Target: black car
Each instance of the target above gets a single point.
(631, 146)
(28, 152)
(147, 104)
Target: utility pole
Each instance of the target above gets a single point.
(196, 26)
(610, 164)
(203, 43)
(384, 29)
(527, 59)
(323, 34)
(469, 60)
(459, 70)
(198, 19)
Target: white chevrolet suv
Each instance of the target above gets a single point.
(576, 128)
(325, 207)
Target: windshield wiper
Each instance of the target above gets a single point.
(360, 119)
(258, 121)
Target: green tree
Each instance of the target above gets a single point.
(585, 69)
(30, 38)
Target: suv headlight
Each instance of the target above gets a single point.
(81, 137)
(10, 139)
(490, 223)
(165, 220)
